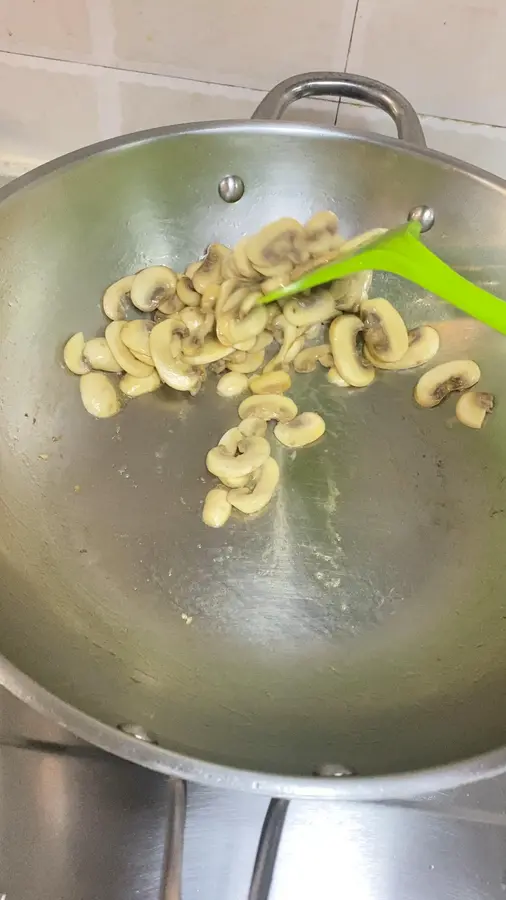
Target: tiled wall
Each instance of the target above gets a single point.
(75, 71)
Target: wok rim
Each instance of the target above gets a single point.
(400, 786)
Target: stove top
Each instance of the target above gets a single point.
(77, 824)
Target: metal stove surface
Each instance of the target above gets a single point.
(76, 824)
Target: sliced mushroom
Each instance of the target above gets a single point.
(193, 318)
(286, 334)
(241, 261)
(170, 305)
(314, 332)
(253, 453)
(152, 286)
(264, 339)
(344, 334)
(209, 270)
(322, 233)
(252, 426)
(135, 336)
(199, 325)
(210, 352)
(303, 430)
(232, 297)
(73, 355)
(423, 345)
(246, 346)
(320, 306)
(232, 384)
(99, 396)
(307, 360)
(277, 247)
(294, 350)
(116, 299)
(232, 330)
(229, 443)
(350, 292)
(98, 353)
(360, 240)
(473, 407)
(385, 333)
(251, 362)
(186, 292)
(276, 382)
(191, 268)
(333, 377)
(276, 282)
(252, 501)
(231, 440)
(125, 359)
(273, 311)
(227, 290)
(249, 303)
(218, 367)
(136, 387)
(229, 268)
(210, 297)
(437, 383)
(268, 406)
(172, 369)
(176, 344)
(238, 356)
(217, 508)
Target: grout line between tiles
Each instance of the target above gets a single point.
(108, 89)
(119, 70)
(348, 54)
(102, 30)
(422, 115)
(131, 73)
(351, 36)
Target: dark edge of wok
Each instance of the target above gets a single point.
(403, 786)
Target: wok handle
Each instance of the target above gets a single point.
(353, 87)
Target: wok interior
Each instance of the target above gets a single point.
(362, 619)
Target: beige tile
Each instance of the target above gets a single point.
(446, 56)
(480, 145)
(253, 43)
(46, 108)
(54, 28)
(153, 101)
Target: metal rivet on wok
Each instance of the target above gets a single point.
(231, 188)
(138, 732)
(423, 214)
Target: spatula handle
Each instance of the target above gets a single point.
(430, 272)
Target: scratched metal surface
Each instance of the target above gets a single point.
(361, 619)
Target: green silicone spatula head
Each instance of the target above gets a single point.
(400, 252)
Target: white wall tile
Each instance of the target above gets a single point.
(46, 108)
(54, 28)
(148, 101)
(481, 145)
(446, 56)
(252, 43)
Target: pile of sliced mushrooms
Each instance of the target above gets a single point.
(210, 319)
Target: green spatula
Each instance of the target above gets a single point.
(400, 252)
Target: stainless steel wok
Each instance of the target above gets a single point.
(360, 625)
